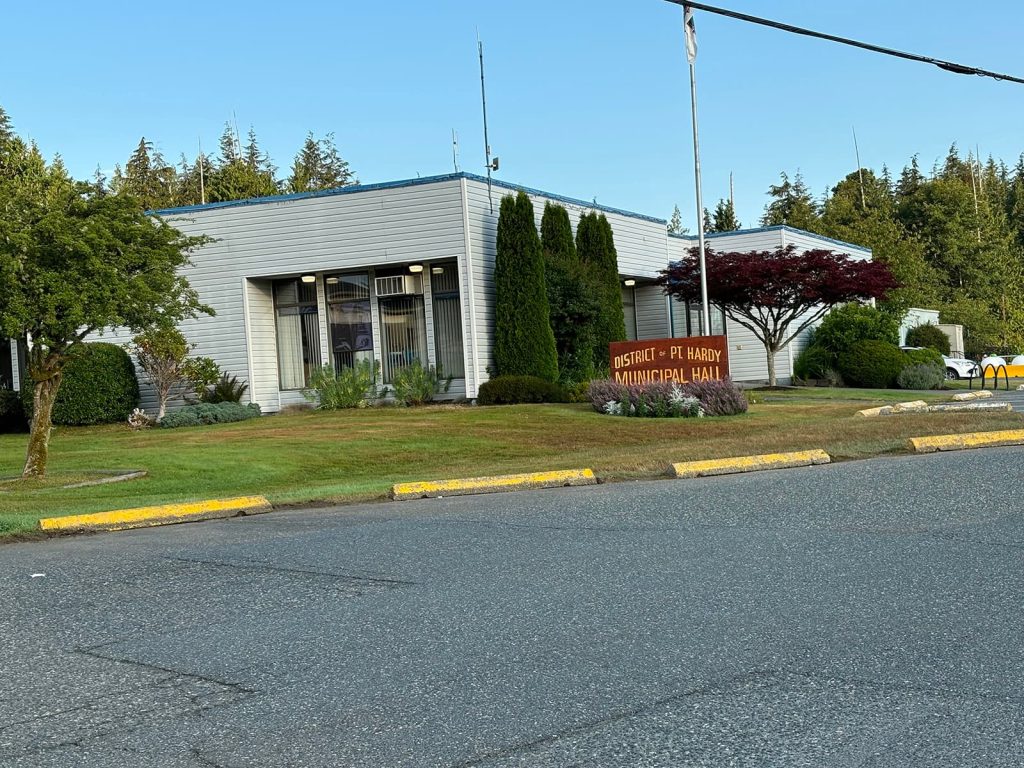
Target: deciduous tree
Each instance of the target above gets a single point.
(777, 294)
(74, 261)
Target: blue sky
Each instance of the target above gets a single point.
(587, 98)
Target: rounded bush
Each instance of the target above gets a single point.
(99, 386)
(509, 390)
(924, 357)
(922, 376)
(930, 336)
(872, 364)
(846, 325)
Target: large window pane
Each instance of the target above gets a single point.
(403, 333)
(351, 327)
(298, 332)
(444, 286)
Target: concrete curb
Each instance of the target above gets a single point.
(469, 485)
(749, 463)
(168, 514)
(966, 441)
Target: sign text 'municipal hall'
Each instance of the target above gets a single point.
(699, 358)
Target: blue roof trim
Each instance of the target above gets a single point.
(396, 185)
(774, 228)
(563, 199)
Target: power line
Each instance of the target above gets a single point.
(949, 66)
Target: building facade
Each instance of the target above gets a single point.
(403, 271)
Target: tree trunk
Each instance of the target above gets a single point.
(43, 397)
(771, 366)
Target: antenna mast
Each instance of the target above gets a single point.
(483, 102)
(455, 150)
(860, 173)
(202, 181)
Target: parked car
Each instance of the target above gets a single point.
(956, 367)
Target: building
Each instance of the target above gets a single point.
(403, 271)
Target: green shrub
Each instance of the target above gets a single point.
(416, 385)
(12, 412)
(921, 376)
(99, 386)
(354, 387)
(227, 389)
(209, 413)
(872, 363)
(509, 390)
(923, 357)
(846, 325)
(930, 336)
(202, 373)
(814, 362)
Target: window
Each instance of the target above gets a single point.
(444, 286)
(298, 332)
(349, 319)
(403, 329)
(716, 315)
(629, 312)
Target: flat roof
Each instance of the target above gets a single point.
(356, 188)
(773, 228)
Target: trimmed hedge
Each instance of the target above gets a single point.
(12, 413)
(209, 413)
(930, 336)
(509, 390)
(872, 364)
(99, 386)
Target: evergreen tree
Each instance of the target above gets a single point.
(524, 344)
(192, 184)
(319, 165)
(240, 174)
(709, 225)
(675, 224)
(791, 205)
(866, 215)
(146, 177)
(596, 248)
(725, 218)
(572, 297)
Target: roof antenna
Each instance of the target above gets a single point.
(491, 166)
(455, 150)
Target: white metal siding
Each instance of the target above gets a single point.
(651, 313)
(639, 243)
(292, 237)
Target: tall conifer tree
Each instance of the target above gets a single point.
(524, 344)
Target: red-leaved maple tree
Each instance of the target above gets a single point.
(777, 294)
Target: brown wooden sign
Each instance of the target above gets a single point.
(697, 358)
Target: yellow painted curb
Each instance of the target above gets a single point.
(749, 463)
(530, 480)
(119, 519)
(968, 440)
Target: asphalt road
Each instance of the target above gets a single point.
(861, 614)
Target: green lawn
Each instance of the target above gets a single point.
(359, 454)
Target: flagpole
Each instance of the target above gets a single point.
(691, 55)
